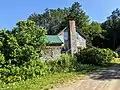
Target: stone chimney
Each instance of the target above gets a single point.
(72, 37)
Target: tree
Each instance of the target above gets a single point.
(111, 27)
(95, 33)
(93, 30)
(50, 20)
(82, 20)
(8, 44)
(54, 20)
(22, 44)
(27, 33)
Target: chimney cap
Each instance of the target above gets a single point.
(70, 17)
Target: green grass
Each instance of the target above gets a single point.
(56, 79)
(49, 81)
(116, 61)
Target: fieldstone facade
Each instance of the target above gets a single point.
(81, 41)
(72, 40)
(51, 52)
(72, 37)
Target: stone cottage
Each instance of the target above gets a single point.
(68, 41)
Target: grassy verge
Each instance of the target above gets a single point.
(56, 79)
(46, 82)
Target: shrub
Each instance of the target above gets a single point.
(34, 68)
(95, 56)
(62, 64)
(31, 69)
(2, 60)
(115, 54)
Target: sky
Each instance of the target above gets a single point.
(12, 11)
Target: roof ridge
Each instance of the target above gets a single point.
(60, 38)
(62, 30)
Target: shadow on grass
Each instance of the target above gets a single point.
(107, 73)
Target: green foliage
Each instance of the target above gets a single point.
(95, 56)
(2, 60)
(36, 67)
(93, 30)
(95, 34)
(19, 50)
(38, 74)
(49, 81)
(24, 54)
(8, 45)
(64, 63)
(55, 20)
(51, 19)
(112, 32)
(20, 53)
(22, 44)
(12, 73)
(115, 54)
(27, 33)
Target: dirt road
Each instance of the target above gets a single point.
(105, 79)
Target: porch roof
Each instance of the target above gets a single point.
(54, 39)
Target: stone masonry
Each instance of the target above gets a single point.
(72, 37)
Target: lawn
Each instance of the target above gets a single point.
(49, 81)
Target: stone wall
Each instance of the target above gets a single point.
(81, 41)
(51, 52)
(72, 37)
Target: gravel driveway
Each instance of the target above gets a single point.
(105, 79)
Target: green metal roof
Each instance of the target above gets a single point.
(53, 39)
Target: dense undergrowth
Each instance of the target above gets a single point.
(96, 56)
(51, 80)
(66, 63)
(37, 74)
(20, 52)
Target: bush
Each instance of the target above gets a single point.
(29, 70)
(115, 54)
(62, 64)
(2, 60)
(20, 50)
(66, 63)
(34, 68)
(95, 56)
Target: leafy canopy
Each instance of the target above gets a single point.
(54, 20)
(22, 44)
(112, 29)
